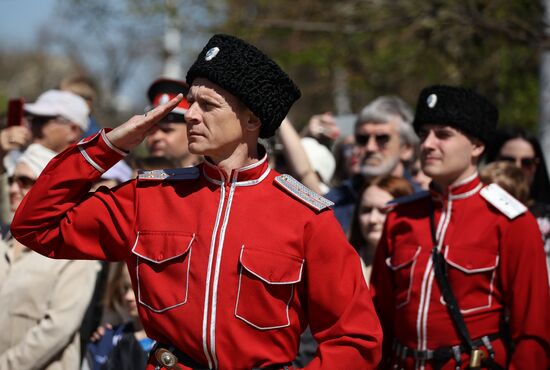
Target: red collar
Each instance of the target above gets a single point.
(463, 189)
(248, 175)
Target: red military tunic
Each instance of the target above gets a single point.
(230, 271)
(493, 262)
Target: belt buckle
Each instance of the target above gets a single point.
(166, 358)
(476, 355)
(424, 355)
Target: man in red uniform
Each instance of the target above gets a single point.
(229, 260)
(485, 245)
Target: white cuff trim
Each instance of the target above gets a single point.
(90, 160)
(110, 145)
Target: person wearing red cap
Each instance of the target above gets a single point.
(230, 260)
(170, 140)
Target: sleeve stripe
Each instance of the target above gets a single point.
(90, 160)
(110, 145)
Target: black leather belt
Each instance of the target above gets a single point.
(170, 357)
(443, 354)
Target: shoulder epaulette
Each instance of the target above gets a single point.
(303, 193)
(503, 201)
(189, 173)
(408, 198)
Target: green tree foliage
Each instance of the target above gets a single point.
(400, 46)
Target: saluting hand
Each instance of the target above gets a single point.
(132, 132)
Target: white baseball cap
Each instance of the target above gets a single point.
(37, 157)
(53, 103)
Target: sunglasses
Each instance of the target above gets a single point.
(526, 162)
(381, 140)
(24, 182)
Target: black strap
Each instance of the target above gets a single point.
(444, 286)
(443, 283)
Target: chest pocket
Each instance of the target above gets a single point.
(471, 274)
(402, 263)
(162, 268)
(266, 287)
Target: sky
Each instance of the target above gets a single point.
(21, 20)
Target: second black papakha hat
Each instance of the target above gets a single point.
(458, 107)
(249, 74)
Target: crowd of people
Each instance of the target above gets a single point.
(420, 241)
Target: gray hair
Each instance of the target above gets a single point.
(383, 109)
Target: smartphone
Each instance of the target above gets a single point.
(15, 112)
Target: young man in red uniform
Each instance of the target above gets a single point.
(487, 248)
(230, 261)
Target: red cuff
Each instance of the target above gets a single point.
(99, 152)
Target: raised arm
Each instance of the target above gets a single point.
(59, 218)
(297, 157)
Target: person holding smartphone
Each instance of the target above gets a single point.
(55, 120)
(14, 136)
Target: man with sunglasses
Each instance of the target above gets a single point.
(455, 265)
(384, 142)
(58, 119)
(55, 120)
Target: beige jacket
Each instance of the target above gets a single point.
(5, 212)
(42, 303)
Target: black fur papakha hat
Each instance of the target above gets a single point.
(250, 75)
(458, 107)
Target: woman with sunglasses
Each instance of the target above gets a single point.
(42, 300)
(517, 146)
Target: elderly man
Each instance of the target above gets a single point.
(170, 140)
(384, 142)
(454, 265)
(230, 261)
(58, 119)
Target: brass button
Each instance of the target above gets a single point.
(168, 359)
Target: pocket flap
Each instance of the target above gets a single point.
(471, 261)
(402, 257)
(162, 246)
(272, 267)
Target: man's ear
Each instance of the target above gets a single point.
(478, 147)
(253, 123)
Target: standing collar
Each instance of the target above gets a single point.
(247, 175)
(460, 190)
